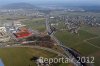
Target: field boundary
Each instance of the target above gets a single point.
(86, 41)
(38, 47)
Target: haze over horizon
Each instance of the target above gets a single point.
(67, 2)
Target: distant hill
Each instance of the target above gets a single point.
(91, 8)
(19, 6)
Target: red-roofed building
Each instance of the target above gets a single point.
(23, 32)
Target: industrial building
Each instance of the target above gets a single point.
(4, 37)
(22, 34)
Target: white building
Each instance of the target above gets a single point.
(3, 35)
(3, 29)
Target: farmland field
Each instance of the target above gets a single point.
(21, 56)
(77, 42)
(36, 23)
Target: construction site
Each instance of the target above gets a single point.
(20, 34)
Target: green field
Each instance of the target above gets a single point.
(93, 30)
(21, 56)
(36, 23)
(95, 41)
(77, 42)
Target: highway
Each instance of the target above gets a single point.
(70, 53)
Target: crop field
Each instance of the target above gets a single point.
(93, 30)
(36, 23)
(78, 42)
(21, 56)
(95, 41)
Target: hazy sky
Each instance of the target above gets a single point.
(95, 2)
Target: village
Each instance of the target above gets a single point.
(72, 23)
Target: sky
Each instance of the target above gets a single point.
(74, 2)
